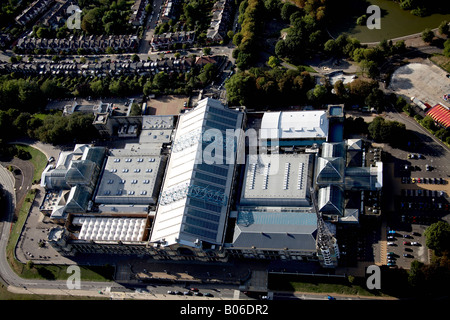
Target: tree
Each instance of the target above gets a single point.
(447, 48)
(97, 88)
(375, 100)
(239, 88)
(43, 33)
(208, 72)
(273, 62)
(92, 21)
(427, 35)
(330, 47)
(207, 51)
(243, 60)
(317, 94)
(135, 58)
(392, 132)
(286, 10)
(339, 89)
(444, 28)
(161, 80)
(438, 237)
(416, 277)
(361, 20)
(135, 109)
(281, 48)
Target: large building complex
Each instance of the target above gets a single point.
(186, 188)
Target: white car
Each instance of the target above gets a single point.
(391, 244)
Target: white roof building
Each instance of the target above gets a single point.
(193, 205)
(110, 228)
(295, 125)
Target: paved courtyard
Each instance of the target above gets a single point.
(166, 105)
(424, 81)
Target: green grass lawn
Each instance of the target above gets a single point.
(442, 61)
(38, 159)
(324, 285)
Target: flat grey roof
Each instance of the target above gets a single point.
(278, 176)
(157, 122)
(276, 230)
(156, 136)
(130, 179)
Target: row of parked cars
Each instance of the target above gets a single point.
(190, 292)
(407, 180)
(422, 193)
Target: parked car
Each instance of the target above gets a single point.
(406, 243)
(207, 294)
(407, 255)
(414, 243)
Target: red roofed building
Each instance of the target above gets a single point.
(440, 114)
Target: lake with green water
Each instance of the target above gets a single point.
(395, 22)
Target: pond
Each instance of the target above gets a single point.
(395, 22)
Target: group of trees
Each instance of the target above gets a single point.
(306, 34)
(105, 16)
(195, 14)
(247, 39)
(423, 7)
(369, 59)
(433, 278)
(392, 132)
(32, 94)
(24, 94)
(258, 87)
(53, 128)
